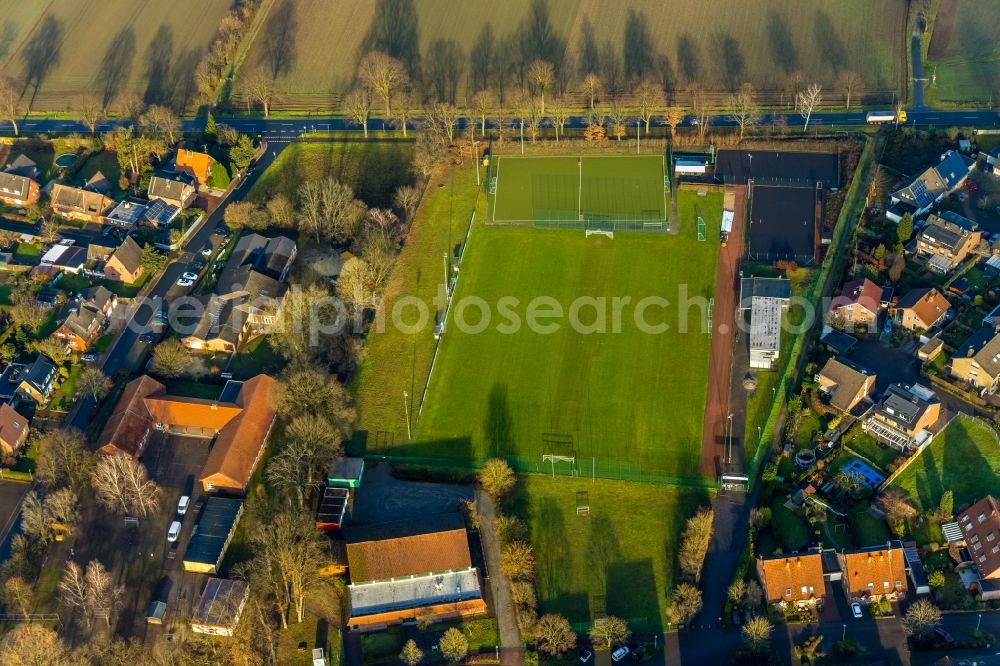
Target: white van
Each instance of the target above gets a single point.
(182, 505)
(174, 531)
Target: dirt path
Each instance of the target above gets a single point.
(512, 650)
(717, 405)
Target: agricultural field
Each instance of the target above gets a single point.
(619, 559)
(963, 458)
(315, 61)
(106, 48)
(373, 167)
(629, 401)
(964, 53)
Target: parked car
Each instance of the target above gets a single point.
(856, 609)
(971, 185)
(638, 652)
(174, 531)
(190, 276)
(207, 250)
(586, 657)
(148, 338)
(198, 264)
(185, 282)
(943, 635)
(620, 653)
(89, 358)
(182, 505)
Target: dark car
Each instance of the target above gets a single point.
(638, 652)
(148, 338)
(943, 635)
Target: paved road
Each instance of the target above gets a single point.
(503, 605)
(286, 129)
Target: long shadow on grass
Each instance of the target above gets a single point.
(116, 66)
(928, 488)
(632, 592)
(499, 424)
(781, 42)
(555, 569)
(159, 55)
(965, 471)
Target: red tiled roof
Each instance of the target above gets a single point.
(127, 426)
(982, 537)
(876, 567)
(408, 556)
(191, 412)
(197, 164)
(864, 292)
(784, 577)
(13, 427)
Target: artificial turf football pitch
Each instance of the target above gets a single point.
(629, 401)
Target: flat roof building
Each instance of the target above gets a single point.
(215, 530)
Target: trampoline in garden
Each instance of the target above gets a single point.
(65, 160)
(865, 472)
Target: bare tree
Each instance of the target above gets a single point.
(517, 560)
(496, 478)
(33, 645)
(93, 382)
(648, 98)
(35, 520)
(358, 105)
(444, 118)
(341, 212)
(73, 590)
(591, 88)
(103, 595)
(382, 74)
(554, 635)
(744, 108)
(897, 508)
(405, 199)
(673, 116)
(290, 551)
(163, 122)
(482, 103)
(10, 102)
(921, 618)
(694, 543)
(757, 632)
(541, 75)
(560, 115)
(453, 645)
(63, 459)
(685, 604)
(807, 101)
(259, 87)
(226, 135)
(280, 210)
(170, 357)
(411, 654)
(848, 81)
(305, 389)
(17, 595)
(609, 631)
(123, 486)
(404, 108)
(90, 111)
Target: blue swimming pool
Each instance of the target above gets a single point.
(869, 476)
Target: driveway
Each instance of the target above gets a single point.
(383, 498)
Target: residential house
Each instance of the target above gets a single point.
(980, 525)
(197, 166)
(99, 183)
(248, 294)
(18, 190)
(23, 166)
(13, 430)
(174, 192)
(792, 579)
(876, 573)
(408, 569)
(931, 349)
(240, 425)
(36, 380)
(126, 214)
(100, 250)
(904, 416)
(936, 182)
(858, 304)
(75, 203)
(125, 265)
(84, 319)
(64, 256)
(977, 360)
(220, 606)
(845, 383)
(945, 244)
(993, 160)
(921, 309)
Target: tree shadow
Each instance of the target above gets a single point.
(42, 53)
(730, 59)
(638, 51)
(688, 58)
(279, 38)
(116, 65)
(443, 68)
(396, 31)
(589, 61)
(665, 75)
(481, 58)
(830, 44)
(182, 86)
(631, 586)
(8, 32)
(499, 426)
(613, 71)
(159, 55)
(781, 42)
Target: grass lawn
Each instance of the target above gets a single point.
(481, 633)
(861, 442)
(67, 389)
(125, 290)
(26, 253)
(103, 343)
(382, 645)
(631, 399)
(219, 177)
(295, 644)
(791, 531)
(255, 357)
(867, 529)
(556, 189)
(619, 560)
(192, 389)
(71, 282)
(5, 291)
(964, 458)
(810, 425)
(373, 168)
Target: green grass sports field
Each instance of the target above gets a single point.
(596, 188)
(629, 400)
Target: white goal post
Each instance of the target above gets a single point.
(602, 232)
